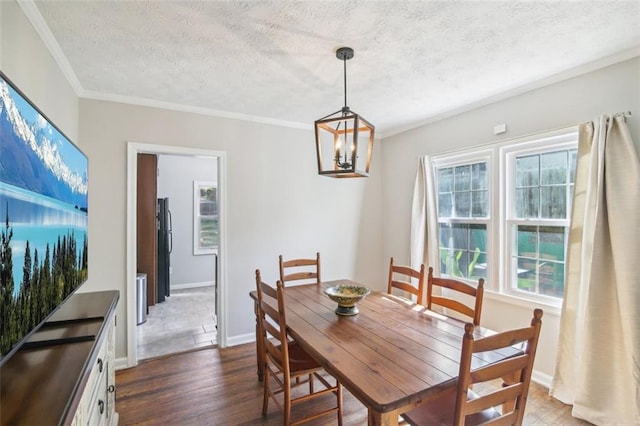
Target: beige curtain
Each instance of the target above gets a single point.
(598, 362)
(424, 216)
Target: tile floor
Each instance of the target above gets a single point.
(184, 321)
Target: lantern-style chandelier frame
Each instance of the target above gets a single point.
(341, 135)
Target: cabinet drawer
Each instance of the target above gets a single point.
(97, 410)
(99, 368)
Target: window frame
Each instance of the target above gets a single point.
(460, 159)
(198, 249)
(499, 237)
(508, 155)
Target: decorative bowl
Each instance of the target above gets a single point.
(346, 296)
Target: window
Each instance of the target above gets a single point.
(540, 186)
(205, 218)
(503, 214)
(463, 213)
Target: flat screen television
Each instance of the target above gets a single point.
(43, 218)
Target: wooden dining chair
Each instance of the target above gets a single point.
(300, 269)
(463, 406)
(477, 292)
(401, 277)
(285, 362)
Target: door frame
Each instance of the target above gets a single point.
(133, 149)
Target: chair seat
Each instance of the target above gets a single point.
(299, 359)
(441, 410)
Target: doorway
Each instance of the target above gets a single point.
(177, 252)
(132, 244)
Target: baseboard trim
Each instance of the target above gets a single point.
(241, 339)
(121, 363)
(191, 285)
(541, 379)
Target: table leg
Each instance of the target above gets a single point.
(383, 419)
(506, 381)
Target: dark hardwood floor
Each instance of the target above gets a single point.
(220, 387)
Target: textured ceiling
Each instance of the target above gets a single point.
(275, 60)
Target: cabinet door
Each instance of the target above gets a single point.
(111, 374)
(98, 408)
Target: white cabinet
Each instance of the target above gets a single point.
(97, 404)
(64, 374)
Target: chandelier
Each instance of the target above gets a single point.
(344, 139)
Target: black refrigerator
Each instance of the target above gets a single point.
(165, 245)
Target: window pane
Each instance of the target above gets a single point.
(552, 240)
(551, 278)
(479, 268)
(205, 220)
(553, 202)
(444, 232)
(538, 264)
(463, 250)
(445, 180)
(479, 204)
(207, 208)
(462, 178)
(444, 205)
(527, 202)
(527, 171)
(479, 176)
(478, 237)
(527, 237)
(478, 256)
(462, 204)
(455, 195)
(525, 272)
(459, 233)
(553, 168)
(208, 232)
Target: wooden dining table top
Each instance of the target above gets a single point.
(392, 356)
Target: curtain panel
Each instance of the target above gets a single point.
(424, 217)
(598, 362)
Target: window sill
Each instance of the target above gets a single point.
(548, 308)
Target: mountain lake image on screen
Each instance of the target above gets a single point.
(44, 218)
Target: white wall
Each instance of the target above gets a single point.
(176, 175)
(273, 207)
(612, 89)
(29, 65)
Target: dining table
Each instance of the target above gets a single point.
(393, 355)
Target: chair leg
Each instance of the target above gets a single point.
(287, 406)
(265, 397)
(311, 383)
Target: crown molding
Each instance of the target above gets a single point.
(40, 25)
(194, 109)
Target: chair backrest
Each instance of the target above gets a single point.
(272, 324)
(477, 292)
(400, 277)
(299, 269)
(518, 368)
